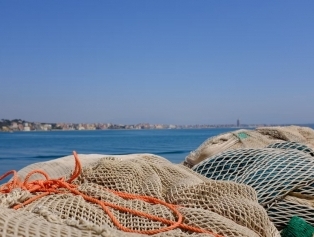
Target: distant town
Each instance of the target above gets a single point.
(7, 125)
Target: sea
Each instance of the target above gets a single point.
(19, 149)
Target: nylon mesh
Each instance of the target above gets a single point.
(223, 207)
(244, 138)
(292, 146)
(273, 173)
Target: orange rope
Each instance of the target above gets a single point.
(48, 186)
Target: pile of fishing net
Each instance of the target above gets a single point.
(245, 138)
(282, 173)
(110, 194)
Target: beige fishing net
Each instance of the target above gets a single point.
(245, 138)
(290, 133)
(222, 207)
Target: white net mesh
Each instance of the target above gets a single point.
(292, 146)
(222, 207)
(273, 173)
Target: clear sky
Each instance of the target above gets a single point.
(173, 62)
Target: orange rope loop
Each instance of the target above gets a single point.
(48, 186)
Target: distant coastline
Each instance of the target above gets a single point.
(7, 125)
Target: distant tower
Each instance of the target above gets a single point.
(238, 123)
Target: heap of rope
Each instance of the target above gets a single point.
(49, 186)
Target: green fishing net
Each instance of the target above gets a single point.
(298, 227)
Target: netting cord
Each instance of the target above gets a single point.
(49, 186)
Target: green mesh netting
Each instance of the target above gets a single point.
(309, 188)
(293, 146)
(282, 178)
(298, 227)
(271, 172)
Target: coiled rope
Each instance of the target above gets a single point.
(50, 186)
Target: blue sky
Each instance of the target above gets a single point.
(173, 62)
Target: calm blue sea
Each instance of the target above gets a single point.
(19, 149)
